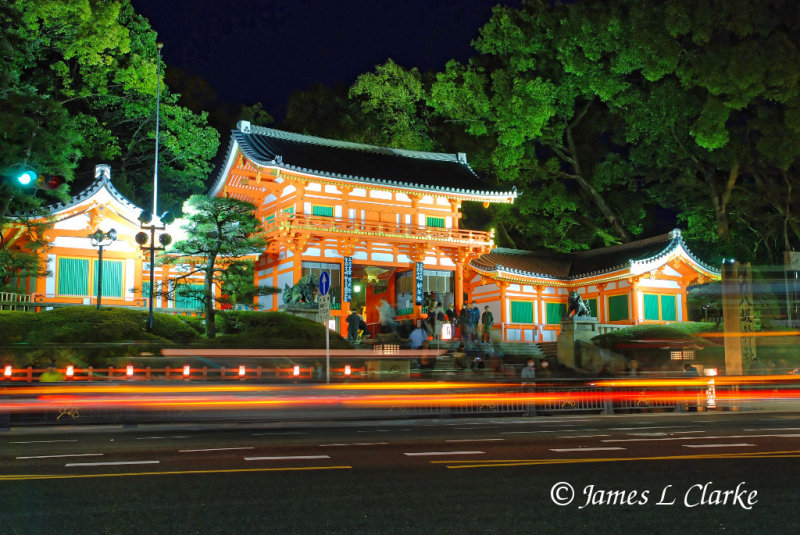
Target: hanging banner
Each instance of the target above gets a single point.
(347, 287)
(419, 293)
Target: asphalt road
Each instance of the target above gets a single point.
(657, 473)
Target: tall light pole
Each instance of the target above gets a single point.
(159, 46)
(101, 239)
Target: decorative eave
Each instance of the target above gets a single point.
(675, 248)
(374, 183)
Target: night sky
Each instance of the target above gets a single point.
(262, 51)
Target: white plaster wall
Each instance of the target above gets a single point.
(655, 283)
(382, 257)
(313, 251)
(384, 195)
(313, 186)
(78, 222)
(50, 281)
(130, 272)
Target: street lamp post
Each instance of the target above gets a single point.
(153, 228)
(101, 239)
(142, 238)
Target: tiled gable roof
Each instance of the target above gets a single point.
(568, 266)
(358, 162)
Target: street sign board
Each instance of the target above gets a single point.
(324, 308)
(347, 290)
(324, 283)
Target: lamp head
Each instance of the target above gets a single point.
(167, 218)
(145, 217)
(141, 238)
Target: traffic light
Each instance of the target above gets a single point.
(49, 182)
(26, 177)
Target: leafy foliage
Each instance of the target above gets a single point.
(220, 233)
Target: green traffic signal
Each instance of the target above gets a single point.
(26, 177)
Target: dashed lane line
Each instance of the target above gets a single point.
(218, 449)
(110, 463)
(43, 441)
(741, 445)
(355, 444)
(287, 458)
(582, 449)
(435, 453)
(475, 440)
(59, 456)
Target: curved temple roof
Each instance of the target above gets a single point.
(582, 264)
(357, 162)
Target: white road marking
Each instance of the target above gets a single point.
(426, 453)
(715, 445)
(583, 436)
(475, 440)
(639, 428)
(357, 444)
(281, 433)
(111, 463)
(697, 438)
(43, 441)
(561, 450)
(64, 455)
(687, 432)
(218, 449)
(523, 432)
(287, 457)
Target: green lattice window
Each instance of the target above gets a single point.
(323, 211)
(73, 276)
(669, 308)
(188, 296)
(651, 307)
(592, 304)
(554, 312)
(618, 307)
(521, 312)
(112, 278)
(434, 222)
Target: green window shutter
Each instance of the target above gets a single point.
(592, 304)
(269, 219)
(668, 308)
(289, 210)
(434, 222)
(73, 276)
(146, 292)
(112, 278)
(617, 307)
(554, 312)
(521, 312)
(185, 300)
(651, 307)
(324, 211)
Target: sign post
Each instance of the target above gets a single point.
(324, 304)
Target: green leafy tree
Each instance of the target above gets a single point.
(221, 233)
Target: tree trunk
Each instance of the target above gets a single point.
(208, 292)
(720, 200)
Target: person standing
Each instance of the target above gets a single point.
(464, 322)
(418, 336)
(487, 320)
(353, 324)
(474, 320)
(528, 373)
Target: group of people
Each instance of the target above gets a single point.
(468, 325)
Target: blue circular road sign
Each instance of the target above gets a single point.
(324, 283)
